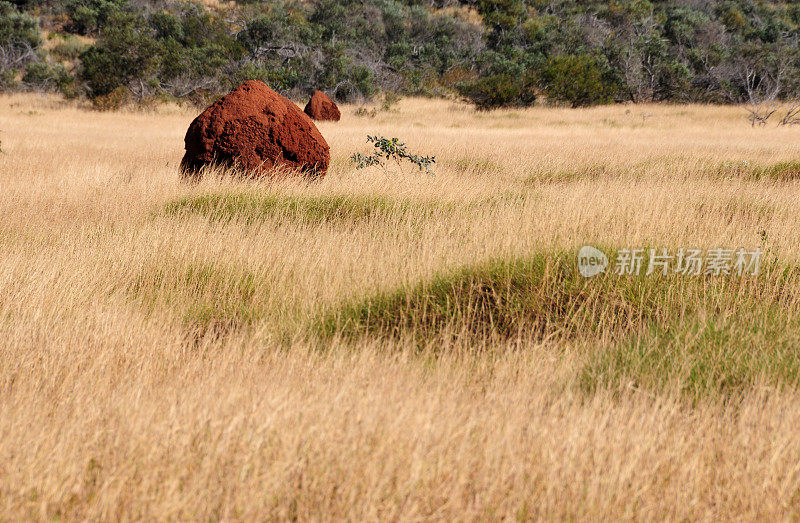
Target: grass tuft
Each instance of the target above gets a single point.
(543, 294)
(252, 207)
(209, 299)
(781, 171)
(476, 166)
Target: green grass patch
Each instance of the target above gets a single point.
(781, 171)
(694, 333)
(250, 207)
(721, 354)
(543, 294)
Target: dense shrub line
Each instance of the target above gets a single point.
(492, 52)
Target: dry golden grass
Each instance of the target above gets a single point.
(159, 365)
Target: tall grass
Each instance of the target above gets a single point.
(397, 347)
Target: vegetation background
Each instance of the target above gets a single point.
(492, 52)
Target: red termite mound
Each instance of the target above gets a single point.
(321, 107)
(255, 129)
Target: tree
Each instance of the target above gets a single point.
(19, 43)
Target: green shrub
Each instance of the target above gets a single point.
(178, 55)
(18, 28)
(502, 90)
(88, 17)
(576, 80)
(391, 149)
(116, 99)
(281, 78)
(126, 53)
(44, 76)
(20, 41)
(390, 99)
